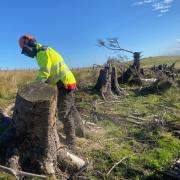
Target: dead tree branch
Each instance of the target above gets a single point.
(136, 118)
(19, 174)
(119, 163)
(79, 172)
(112, 44)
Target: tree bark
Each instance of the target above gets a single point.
(36, 147)
(107, 83)
(133, 73)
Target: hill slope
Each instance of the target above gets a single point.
(150, 61)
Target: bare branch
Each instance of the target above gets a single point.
(19, 174)
(116, 165)
(119, 163)
(137, 118)
(9, 171)
(79, 172)
(101, 42)
(112, 44)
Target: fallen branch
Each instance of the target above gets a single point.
(177, 133)
(79, 172)
(112, 139)
(149, 80)
(118, 163)
(19, 174)
(136, 123)
(99, 173)
(84, 115)
(80, 163)
(137, 118)
(140, 140)
(109, 102)
(9, 171)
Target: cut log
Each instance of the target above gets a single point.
(36, 147)
(151, 80)
(159, 86)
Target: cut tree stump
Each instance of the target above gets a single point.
(35, 146)
(107, 83)
(133, 73)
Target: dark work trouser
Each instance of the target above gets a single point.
(68, 114)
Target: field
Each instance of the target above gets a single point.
(132, 137)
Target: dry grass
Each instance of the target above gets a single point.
(84, 76)
(10, 81)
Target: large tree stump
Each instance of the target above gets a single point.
(133, 73)
(107, 83)
(36, 147)
(136, 63)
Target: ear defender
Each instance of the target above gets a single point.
(32, 43)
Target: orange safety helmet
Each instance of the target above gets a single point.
(24, 40)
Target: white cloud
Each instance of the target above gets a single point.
(175, 49)
(160, 6)
(164, 10)
(159, 15)
(138, 3)
(143, 2)
(168, 1)
(178, 43)
(178, 40)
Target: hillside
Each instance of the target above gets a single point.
(132, 137)
(150, 61)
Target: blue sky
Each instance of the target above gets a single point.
(72, 27)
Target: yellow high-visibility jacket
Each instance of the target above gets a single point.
(53, 68)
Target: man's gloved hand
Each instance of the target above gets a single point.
(69, 90)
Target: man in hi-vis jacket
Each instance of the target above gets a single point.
(53, 70)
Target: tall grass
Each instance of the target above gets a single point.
(11, 81)
(86, 76)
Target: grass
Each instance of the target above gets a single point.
(150, 61)
(147, 148)
(11, 81)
